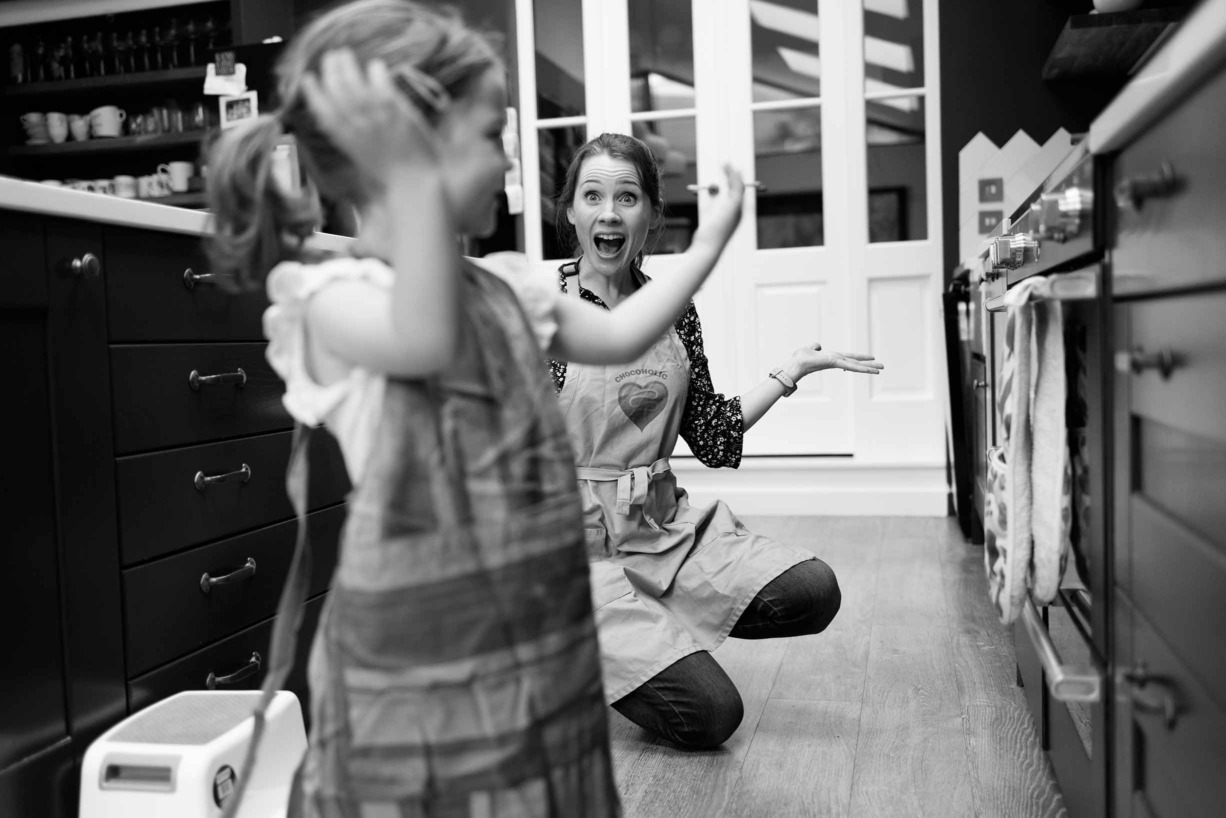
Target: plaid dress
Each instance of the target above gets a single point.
(455, 671)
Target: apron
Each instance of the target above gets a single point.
(455, 671)
(668, 578)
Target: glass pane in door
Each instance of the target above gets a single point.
(784, 37)
(788, 163)
(897, 169)
(661, 55)
(556, 145)
(672, 141)
(893, 45)
(558, 28)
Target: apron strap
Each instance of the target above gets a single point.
(289, 612)
(632, 483)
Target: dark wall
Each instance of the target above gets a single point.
(992, 56)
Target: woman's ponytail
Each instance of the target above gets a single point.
(256, 223)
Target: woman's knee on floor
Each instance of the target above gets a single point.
(692, 703)
(807, 594)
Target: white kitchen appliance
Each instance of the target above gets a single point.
(183, 757)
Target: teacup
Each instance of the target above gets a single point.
(79, 126)
(107, 120)
(57, 126)
(106, 186)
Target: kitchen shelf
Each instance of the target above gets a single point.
(139, 79)
(119, 144)
(1108, 46)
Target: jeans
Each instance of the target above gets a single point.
(692, 702)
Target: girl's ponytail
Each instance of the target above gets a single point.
(256, 223)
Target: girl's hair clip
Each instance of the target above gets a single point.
(424, 90)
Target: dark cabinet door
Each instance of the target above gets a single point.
(32, 686)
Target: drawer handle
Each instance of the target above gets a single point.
(245, 672)
(203, 481)
(246, 572)
(1137, 360)
(1132, 191)
(191, 279)
(978, 384)
(87, 266)
(195, 380)
(1164, 700)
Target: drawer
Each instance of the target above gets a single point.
(148, 299)
(168, 613)
(234, 662)
(1174, 238)
(158, 405)
(1163, 769)
(1191, 330)
(161, 510)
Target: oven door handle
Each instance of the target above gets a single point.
(1067, 683)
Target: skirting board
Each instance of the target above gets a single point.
(818, 485)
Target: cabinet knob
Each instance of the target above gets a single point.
(1137, 360)
(87, 265)
(1152, 694)
(1132, 191)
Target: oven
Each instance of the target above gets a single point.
(1063, 648)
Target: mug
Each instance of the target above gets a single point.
(80, 184)
(106, 186)
(179, 174)
(36, 127)
(52, 182)
(125, 187)
(107, 120)
(57, 126)
(79, 126)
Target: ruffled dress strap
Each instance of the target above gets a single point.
(290, 286)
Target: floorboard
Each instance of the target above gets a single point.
(907, 705)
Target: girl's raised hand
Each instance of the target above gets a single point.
(367, 116)
(724, 213)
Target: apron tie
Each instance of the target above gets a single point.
(632, 483)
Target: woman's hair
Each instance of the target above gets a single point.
(256, 223)
(619, 146)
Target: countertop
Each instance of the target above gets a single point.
(1196, 49)
(34, 197)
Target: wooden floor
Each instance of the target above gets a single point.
(906, 706)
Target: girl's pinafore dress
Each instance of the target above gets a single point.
(455, 670)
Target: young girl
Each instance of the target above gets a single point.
(455, 670)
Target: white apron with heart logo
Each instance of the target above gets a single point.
(668, 578)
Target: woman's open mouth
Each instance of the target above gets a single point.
(608, 245)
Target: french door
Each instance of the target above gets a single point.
(832, 106)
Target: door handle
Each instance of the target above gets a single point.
(1153, 694)
(714, 188)
(1067, 683)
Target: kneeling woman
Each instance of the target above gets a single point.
(670, 580)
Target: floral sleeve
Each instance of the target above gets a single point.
(711, 425)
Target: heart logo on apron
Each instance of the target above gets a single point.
(642, 401)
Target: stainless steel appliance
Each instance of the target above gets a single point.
(1063, 648)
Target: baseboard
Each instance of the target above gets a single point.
(818, 485)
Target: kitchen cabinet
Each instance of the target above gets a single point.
(1169, 318)
(117, 533)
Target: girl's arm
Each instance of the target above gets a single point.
(588, 334)
(413, 331)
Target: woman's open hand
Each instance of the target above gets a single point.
(367, 117)
(812, 358)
